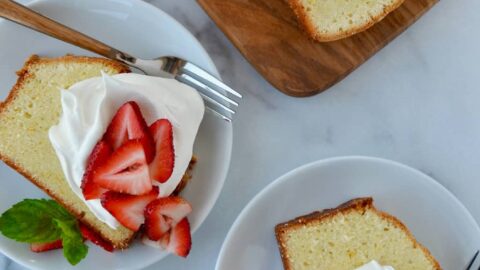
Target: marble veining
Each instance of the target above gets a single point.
(416, 102)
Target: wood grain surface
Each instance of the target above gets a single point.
(267, 34)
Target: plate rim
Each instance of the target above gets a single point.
(148, 5)
(228, 128)
(288, 175)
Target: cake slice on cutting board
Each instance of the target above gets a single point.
(329, 20)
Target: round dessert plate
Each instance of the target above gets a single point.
(138, 28)
(435, 217)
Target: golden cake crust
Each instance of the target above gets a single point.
(359, 204)
(23, 75)
(308, 26)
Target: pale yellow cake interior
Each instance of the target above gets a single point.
(333, 17)
(348, 241)
(24, 125)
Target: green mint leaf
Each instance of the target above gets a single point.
(73, 247)
(31, 221)
(57, 210)
(43, 221)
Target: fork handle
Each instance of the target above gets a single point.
(22, 15)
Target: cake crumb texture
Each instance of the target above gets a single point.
(329, 20)
(348, 237)
(31, 108)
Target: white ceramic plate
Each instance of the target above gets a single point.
(142, 30)
(433, 214)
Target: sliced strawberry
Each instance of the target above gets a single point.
(180, 240)
(128, 124)
(100, 153)
(164, 213)
(95, 238)
(41, 247)
(126, 171)
(128, 209)
(161, 168)
(156, 226)
(177, 240)
(164, 240)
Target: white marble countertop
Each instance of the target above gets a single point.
(417, 102)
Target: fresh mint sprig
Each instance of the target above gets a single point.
(43, 221)
(73, 247)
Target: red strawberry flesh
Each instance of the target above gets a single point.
(41, 247)
(128, 209)
(156, 226)
(180, 241)
(100, 153)
(161, 168)
(163, 213)
(95, 238)
(126, 171)
(128, 124)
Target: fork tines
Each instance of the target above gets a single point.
(218, 96)
(470, 265)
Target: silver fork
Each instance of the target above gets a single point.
(218, 96)
(472, 262)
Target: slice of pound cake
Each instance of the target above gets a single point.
(328, 20)
(348, 237)
(31, 108)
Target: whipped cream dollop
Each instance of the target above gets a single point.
(89, 106)
(374, 265)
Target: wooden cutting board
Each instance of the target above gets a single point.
(267, 34)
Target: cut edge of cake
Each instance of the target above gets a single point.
(359, 204)
(23, 75)
(309, 27)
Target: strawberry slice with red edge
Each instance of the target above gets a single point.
(95, 238)
(129, 124)
(128, 209)
(126, 171)
(164, 240)
(156, 226)
(180, 241)
(177, 240)
(41, 247)
(100, 153)
(161, 168)
(164, 213)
